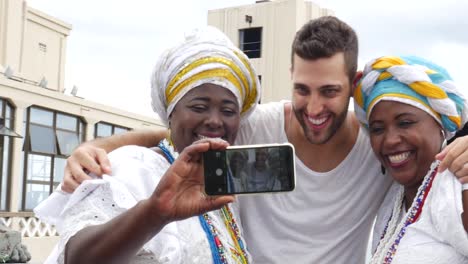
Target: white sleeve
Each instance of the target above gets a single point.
(446, 207)
(135, 173)
(264, 125)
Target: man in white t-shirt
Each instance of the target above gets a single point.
(340, 186)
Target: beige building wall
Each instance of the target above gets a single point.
(32, 48)
(33, 44)
(279, 19)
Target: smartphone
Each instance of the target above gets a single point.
(250, 169)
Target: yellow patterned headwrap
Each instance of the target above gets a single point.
(414, 81)
(205, 56)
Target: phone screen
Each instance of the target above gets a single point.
(250, 169)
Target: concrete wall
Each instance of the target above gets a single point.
(33, 44)
(44, 49)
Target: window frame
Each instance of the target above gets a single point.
(242, 43)
(9, 123)
(113, 127)
(80, 128)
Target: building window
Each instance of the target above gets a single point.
(102, 129)
(250, 42)
(50, 138)
(6, 120)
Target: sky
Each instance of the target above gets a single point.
(114, 44)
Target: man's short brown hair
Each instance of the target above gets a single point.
(324, 37)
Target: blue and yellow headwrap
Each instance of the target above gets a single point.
(414, 81)
(205, 56)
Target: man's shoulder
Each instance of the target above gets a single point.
(270, 112)
(265, 125)
(272, 107)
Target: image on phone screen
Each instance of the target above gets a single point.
(250, 169)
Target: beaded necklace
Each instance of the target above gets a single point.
(395, 229)
(217, 249)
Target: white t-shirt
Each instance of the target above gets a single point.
(438, 235)
(327, 218)
(136, 172)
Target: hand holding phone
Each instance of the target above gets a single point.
(250, 169)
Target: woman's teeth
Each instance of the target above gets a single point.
(398, 158)
(203, 137)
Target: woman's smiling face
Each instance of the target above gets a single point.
(205, 111)
(405, 139)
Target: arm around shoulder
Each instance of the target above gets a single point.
(91, 156)
(144, 138)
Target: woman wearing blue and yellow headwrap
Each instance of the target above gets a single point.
(411, 106)
(152, 209)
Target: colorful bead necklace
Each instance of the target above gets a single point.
(386, 249)
(217, 249)
(239, 248)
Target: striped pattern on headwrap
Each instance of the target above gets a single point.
(415, 81)
(205, 56)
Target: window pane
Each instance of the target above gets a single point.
(120, 130)
(81, 132)
(8, 123)
(42, 139)
(67, 142)
(103, 130)
(66, 122)
(40, 116)
(250, 42)
(8, 111)
(35, 193)
(4, 143)
(59, 169)
(39, 168)
(23, 169)
(8, 116)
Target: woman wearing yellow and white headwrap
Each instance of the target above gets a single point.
(206, 56)
(150, 211)
(411, 106)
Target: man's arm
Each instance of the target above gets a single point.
(91, 156)
(144, 138)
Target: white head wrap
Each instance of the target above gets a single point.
(205, 56)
